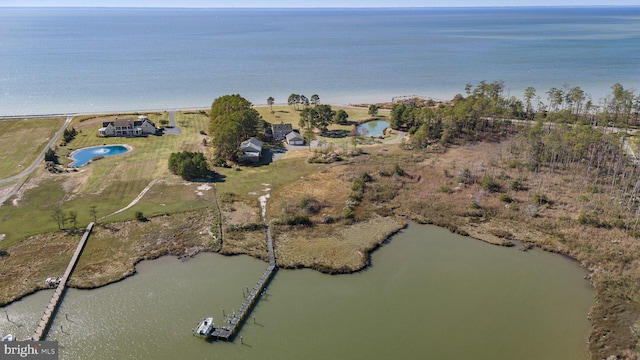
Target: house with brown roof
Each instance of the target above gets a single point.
(128, 127)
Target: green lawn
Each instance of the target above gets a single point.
(251, 179)
(21, 141)
(287, 115)
(337, 134)
(110, 183)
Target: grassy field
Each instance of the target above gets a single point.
(254, 180)
(337, 134)
(21, 141)
(348, 215)
(110, 183)
(113, 182)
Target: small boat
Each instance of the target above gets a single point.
(9, 337)
(205, 327)
(52, 281)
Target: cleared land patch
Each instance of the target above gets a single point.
(21, 141)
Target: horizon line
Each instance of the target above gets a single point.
(313, 7)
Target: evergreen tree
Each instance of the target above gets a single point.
(233, 120)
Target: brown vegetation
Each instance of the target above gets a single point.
(486, 197)
(113, 249)
(332, 248)
(110, 255)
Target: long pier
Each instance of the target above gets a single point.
(54, 303)
(238, 318)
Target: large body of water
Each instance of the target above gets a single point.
(429, 294)
(89, 60)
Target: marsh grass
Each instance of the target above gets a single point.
(111, 252)
(113, 249)
(30, 262)
(332, 248)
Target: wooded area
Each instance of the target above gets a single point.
(559, 138)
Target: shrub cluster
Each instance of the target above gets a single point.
(50, 155)
(246, 227)
(69, 135)
(189, 165)
(357, 191)
(299, 220)
(490, 184)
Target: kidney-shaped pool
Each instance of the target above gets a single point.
(83, 156)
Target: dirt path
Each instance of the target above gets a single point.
(135, 201)
(23, 175)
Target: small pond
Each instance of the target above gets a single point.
(373, 128)
(83, 156)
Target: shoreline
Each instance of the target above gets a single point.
(357, 103)
(186, 257)
(107, 113)
(606, 305)
(321, 269)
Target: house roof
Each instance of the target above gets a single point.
(127, 123)
(141, 122)
(294, 136)
(123, 123)
(281, 127)
(252, 145)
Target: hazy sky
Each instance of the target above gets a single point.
(315, 3)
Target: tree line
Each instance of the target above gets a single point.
(555, 138)
(485, 110)
(296, 100)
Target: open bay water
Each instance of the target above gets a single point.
(429, 294)
(68, 60)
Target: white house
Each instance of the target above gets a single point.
(251, 150)
(294, 138)
(128, 127)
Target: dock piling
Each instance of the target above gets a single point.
(251, 298)
(54, 303)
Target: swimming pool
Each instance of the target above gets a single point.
(83, 156)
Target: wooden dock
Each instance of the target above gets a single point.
(54, 303)
(238, 318)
